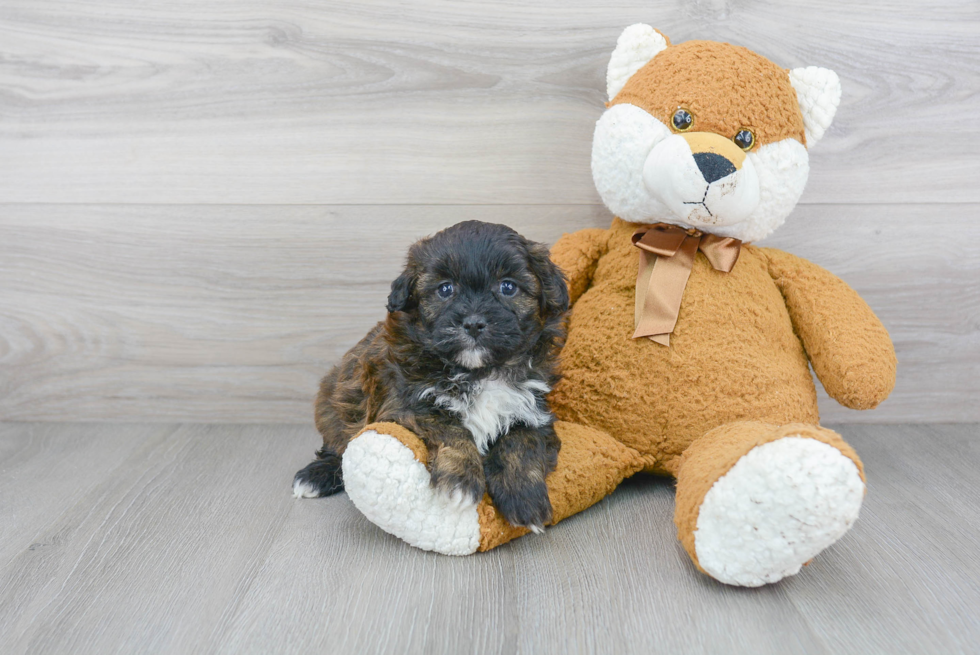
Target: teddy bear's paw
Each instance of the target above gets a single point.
(776, 508)
(394, 491)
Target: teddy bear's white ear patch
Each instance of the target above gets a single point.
(636, 46)
(818, 92)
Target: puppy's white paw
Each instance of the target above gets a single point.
(303, 489)
(778, 507)
(536, 529)
(319, 478)
(393, 490)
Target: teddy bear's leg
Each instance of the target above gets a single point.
(386, 478)
(756, 501)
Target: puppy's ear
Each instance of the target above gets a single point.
(400, 299)
(554, 291)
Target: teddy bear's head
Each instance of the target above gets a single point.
(707, 135)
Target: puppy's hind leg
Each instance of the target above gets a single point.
(321, 477)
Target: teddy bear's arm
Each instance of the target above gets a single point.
(848, 346)
(577, 255)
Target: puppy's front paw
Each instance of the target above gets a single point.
(459, 475)
(526, 505)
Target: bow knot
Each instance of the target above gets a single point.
(667, 255)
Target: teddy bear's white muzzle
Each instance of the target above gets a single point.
(702, 189)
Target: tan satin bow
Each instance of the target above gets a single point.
(666, 256)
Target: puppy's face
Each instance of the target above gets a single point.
(478, 294)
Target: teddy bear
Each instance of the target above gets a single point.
(689, 349)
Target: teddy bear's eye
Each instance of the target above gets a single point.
(445, 290)
(682, 120)
(744, 139)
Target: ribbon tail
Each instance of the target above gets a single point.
(662, 289)
(643, 274)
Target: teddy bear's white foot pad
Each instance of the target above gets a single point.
(781, 504)
(392, 489)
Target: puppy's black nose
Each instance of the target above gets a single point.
(474, 325)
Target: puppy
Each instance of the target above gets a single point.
(465, 359)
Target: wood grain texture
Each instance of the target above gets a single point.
(279, 156)
(232, 313)
(202, 313)
(159, 541)
(46, 469)
(293, 101)
(194, 544)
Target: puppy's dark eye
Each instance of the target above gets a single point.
(508, 288)
(445, 289)
(682, 120)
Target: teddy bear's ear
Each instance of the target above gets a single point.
(818, 92)
(636, 46)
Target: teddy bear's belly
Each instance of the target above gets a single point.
(733, 356)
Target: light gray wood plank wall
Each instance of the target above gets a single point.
(202, 204)
(295, 101)
(231, 313)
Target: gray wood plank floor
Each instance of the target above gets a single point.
(185, 538)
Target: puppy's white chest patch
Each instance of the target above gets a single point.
(494, 406)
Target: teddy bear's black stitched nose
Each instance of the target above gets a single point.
(713, 166)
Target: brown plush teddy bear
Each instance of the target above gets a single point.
(688, 350)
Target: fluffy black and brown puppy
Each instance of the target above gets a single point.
(465, 359)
